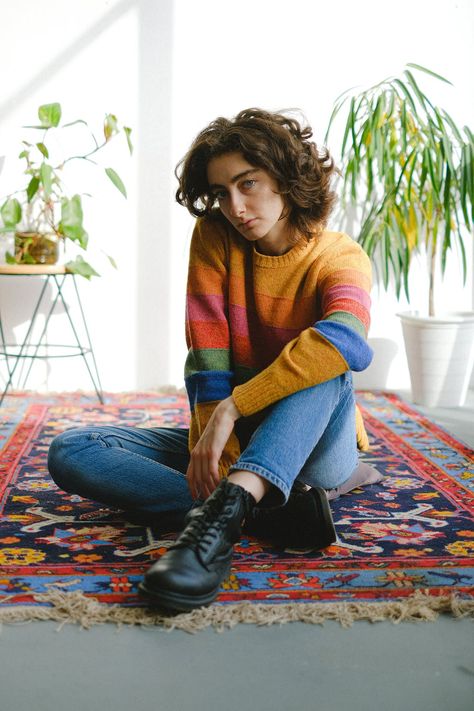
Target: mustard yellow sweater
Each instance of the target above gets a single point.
(263, 327)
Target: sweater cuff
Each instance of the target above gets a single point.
(256, 394)
(290, 373)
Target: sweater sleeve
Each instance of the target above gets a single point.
(208, 369)
(337, 342)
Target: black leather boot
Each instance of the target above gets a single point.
(191, 571)
(305, 521)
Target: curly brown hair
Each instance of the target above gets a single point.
(275, 143)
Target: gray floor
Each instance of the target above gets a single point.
(409, 667)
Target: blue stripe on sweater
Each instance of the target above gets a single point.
(348, 342)
(209, 385)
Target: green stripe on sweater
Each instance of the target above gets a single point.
(348, 320)
(207, 359)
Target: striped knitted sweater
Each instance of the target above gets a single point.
(263, 327)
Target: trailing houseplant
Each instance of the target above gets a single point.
(408, 172)
(43, 213)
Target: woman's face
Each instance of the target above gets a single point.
(248, 197)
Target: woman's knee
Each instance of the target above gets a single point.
(64, 464)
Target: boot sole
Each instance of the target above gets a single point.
(320, 497)
(322, 536)
(177, 602)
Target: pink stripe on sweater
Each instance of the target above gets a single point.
(205, 307)
(346, 291)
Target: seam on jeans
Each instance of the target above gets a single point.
(341, 404)
(97, 437)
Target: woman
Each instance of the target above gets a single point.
(277, 317)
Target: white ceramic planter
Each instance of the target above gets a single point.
(440, 354)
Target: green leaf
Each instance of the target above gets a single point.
(9, 258)
(348, 125)
(71, 221)
(403, 119)
(42, 148)
(24, 154)
(110, 126)
(463, 255)
(408, 96)
(452, 124)
(428, 71)
(46, 173)
(434, 180)
(117, 181)
(447, 237)
(470, 173)
(11, 212)
(49, 115)
(128, 132)
(81, 267)
(463, 188)
(353, 129)
(32, 188)
(469, 134)
(337, 107)
(112, 261)
(391, 103)
(419, 94)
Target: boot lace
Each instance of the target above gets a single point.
(210, 521)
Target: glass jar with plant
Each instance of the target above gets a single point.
(42, 214)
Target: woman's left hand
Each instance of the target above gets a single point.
(203, 469)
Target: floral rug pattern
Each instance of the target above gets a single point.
(411, 532)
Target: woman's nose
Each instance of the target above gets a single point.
(237, 206)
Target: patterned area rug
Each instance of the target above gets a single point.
(404, 548)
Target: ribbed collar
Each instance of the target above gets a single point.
(282, 260)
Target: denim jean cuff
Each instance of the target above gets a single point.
(277, 495)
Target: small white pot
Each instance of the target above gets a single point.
(440, 354)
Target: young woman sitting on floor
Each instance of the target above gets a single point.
(277, 318)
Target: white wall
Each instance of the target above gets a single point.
(167, 68)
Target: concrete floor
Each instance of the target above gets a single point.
(409, 667)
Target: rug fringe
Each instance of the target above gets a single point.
(75, 607)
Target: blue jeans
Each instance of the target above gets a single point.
(309, 436)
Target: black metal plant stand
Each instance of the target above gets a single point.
(56, 276)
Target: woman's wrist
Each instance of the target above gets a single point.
(230, 408)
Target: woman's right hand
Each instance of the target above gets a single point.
(203, 470)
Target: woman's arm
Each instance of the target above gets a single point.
(337, 342)
(209, 371)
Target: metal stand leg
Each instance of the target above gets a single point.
(98, 388)
(82, 350)
(26, 340)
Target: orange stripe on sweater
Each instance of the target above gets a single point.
(207, 334)
(354, 277)
(204, 280)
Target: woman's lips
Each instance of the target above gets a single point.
(248, 223)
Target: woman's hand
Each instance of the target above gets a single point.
(203, 469)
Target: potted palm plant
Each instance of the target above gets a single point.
(43, 214)
(408, 172)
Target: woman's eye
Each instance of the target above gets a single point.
(219, 195)
(249, 183)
